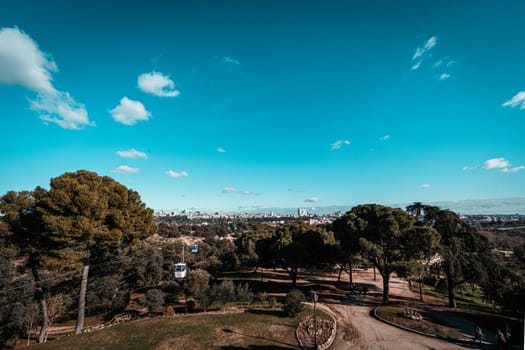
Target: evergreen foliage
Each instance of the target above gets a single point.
(293, 302)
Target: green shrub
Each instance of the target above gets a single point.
(293, 302)
(154, 300)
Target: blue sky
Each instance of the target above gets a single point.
(228, 105)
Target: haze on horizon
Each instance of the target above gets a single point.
(235, 104)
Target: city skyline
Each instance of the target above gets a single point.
(231, 105)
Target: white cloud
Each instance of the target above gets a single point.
(500, 164)
(517, 100)
(247, 193)
(384, 138)
(157, 84)
(60, 108)
(228, 190)
(132, 153)
(124, 169)
(416, 65)
(338, 144)
(227, 60)
(422, 52)
(496, 163)
(176, 175)
(312, 200)
(129, 112)
(425, 186)
(513, 170)
(221, 150)
(444, 76)
(23, 63)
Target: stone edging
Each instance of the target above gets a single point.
(376, 316)
(327, 343)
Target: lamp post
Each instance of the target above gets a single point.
(315, 321)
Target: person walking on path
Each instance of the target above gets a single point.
(478, 335)
(501, 341)
(507, 336)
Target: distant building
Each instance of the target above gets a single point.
(302, 212)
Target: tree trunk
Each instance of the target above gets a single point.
(82, 299)
(450, 288)
(29, 328)
(421, 288)
(386, 285)
(294, 276)
(374, 273)
(350, 275)
(340, 272)
(41, 300)
(45, 318)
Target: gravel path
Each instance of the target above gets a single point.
(357, 329)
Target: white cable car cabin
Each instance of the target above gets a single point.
(180, 270)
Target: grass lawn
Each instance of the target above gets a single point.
(256, 329)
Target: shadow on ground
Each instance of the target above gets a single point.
(282, 345)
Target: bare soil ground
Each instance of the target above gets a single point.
(357, 329)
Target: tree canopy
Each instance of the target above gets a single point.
(81, 216)
(461, 247)
(386, 236)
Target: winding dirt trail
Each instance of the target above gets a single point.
(354, 317)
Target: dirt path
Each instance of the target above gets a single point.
(357, 329)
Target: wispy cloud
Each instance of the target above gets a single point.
(297, 190)
(338, 144)
(157, 84)
(425, 186)
(444, 62)
(516, 100)
(247, 193)
(496, 163)
(416, 65)
(227, 60)
(221, 150)
(444, 76)
(132, 153)
(384, 138)
(513, 170)
(312, 200)
(229, 190)
(23, 63)
(467, 168)
(175, 174)
(124, 169)
(423, 52)
(129, 112)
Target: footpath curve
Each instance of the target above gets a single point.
(358, 329)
